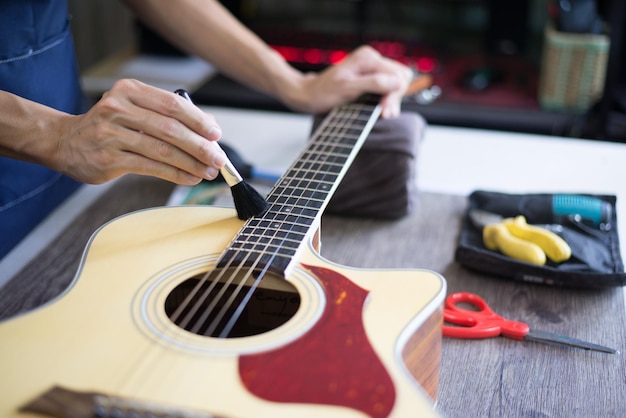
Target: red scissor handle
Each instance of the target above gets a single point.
(480, 323)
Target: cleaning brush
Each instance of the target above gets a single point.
(248, 202)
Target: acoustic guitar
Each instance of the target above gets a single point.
(190, 312)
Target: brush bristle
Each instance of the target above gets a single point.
(248, 202)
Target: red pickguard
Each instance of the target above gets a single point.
(333, 364)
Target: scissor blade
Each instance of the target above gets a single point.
(542, 336)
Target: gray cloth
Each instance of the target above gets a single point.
(381, 182)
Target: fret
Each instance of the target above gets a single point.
(280, 202)
(298, 197)
(290, 239)
(315, 155)
(303, 206)
(270, 229)
(275, 260)
(335, 160)
(300, 211)
(303, 195)
(348, 123)
(331, 167)
(268, 252)
(288, 233)
(313, 203)
(306, 184)
(319, 154)
(285, 249)
(300, 207)
(335, 145)
(290, 219)
(340, 137)
(319, 172)
(351, 113)
(256, 240)
(270, 226)
(351, 135)
(321, 178)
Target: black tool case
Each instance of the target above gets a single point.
(596, 260)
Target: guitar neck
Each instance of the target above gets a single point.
(298, 199)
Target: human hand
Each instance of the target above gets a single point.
(362, 71)
(137, 128)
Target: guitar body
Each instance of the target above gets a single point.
(360, 343)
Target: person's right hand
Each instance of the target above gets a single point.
(137, 128)
(364, 70)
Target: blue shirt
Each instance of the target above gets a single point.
(37, 62)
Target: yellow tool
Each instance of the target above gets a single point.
(517, 239)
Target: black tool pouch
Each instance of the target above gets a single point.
(381, 182)
(595, 262)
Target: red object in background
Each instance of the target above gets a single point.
(313, 56)
(391, 49)
(516, 89)
(426, 64)
(335, 57)
(290, 53)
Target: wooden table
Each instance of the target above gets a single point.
(482, 378)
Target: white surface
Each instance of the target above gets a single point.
(168, 73)
(451, 160)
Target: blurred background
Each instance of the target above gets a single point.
(552, 67)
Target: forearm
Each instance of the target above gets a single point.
(206, 29)
(27, 129)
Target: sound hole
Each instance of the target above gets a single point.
(227, 305)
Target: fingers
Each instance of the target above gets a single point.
(168, 161)
(363, 71)
(163, 103)
(382, 76)
(159, 133)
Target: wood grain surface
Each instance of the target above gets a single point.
(487, 378)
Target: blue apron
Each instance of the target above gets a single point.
(37, 62)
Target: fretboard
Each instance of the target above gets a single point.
(298, 199)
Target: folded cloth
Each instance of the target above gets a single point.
(381, 182)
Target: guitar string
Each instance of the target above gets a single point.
(251, 268)
(239, 310)
(291, 187)
(347, 112)
(327, 154)
(242, 304)
(271, 241)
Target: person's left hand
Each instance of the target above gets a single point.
(363, 71)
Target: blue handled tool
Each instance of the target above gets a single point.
(590, 209)
(557, 208)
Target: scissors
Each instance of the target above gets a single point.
(485, 323)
